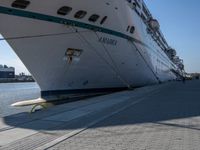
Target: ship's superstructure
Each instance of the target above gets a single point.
(7, 72)
(76, 46)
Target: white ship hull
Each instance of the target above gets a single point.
(133, 60)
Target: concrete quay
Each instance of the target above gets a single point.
(159, 117)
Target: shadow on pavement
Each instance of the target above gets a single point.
(173, 101)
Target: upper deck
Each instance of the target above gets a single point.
(153, 29)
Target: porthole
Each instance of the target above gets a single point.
(103, 20)
(93, 18)
(64, 10)
(132, 30)
(20, 4)
(128, 28)
(80, 14)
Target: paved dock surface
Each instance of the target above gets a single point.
(161, 117)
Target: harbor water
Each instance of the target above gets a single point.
(14, 92)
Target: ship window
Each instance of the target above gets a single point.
(103, 20)
(137, 12)
(143, 17)
(128, 28)
(94, 18)
(134, 5)
(137, 4)
(132, 29)
(145, 10)
(80, 14)
(20, 4)
(64, 10)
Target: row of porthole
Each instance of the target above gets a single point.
(130, 29)
(65, 10)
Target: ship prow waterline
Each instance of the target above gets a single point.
(88, 47)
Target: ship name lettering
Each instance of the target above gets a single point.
(108, 41)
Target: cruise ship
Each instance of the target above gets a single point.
(90, 46)
(7, 72)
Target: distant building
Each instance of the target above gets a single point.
(7, 72)
(22, 77)
(195, 76)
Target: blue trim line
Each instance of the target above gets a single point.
(81, 91)
(38, 16)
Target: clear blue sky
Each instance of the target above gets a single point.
(180, 23)
(9, 58)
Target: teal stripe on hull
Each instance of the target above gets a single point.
(43, 17)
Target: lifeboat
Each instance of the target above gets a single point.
(154, 24)
(171, 52)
